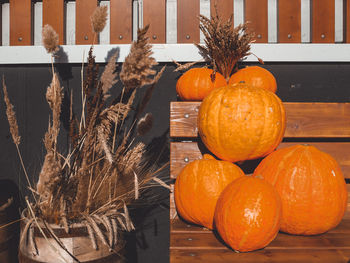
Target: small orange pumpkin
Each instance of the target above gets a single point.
(248, 214)
(311, 186)
(196, 83)
(198, 187)
(241, 122)
(255, 76)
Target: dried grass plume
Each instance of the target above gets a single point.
(50, 39)
(99, 18)
(11, 116)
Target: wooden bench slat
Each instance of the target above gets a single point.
(323, 21)
(180, 226)
(313, 120)
(154, 15)
(223, 7)
(265, 255)
(180, 152)
(53, 15)
(187, 21)
(121, 21)
(256, 15)
(207, 239)
(83, 29)
(289, 28)
(21, 23)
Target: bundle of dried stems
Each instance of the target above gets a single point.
(224, 45)
(105, 169)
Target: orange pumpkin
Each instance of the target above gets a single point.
(198, 187)
(248, 214)
(196, 83)
(255, 76)
(311, 186)
(241, 122)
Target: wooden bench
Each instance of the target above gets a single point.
(325, 125)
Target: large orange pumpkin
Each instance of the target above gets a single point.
(196, 83)
(311, 186)
(198, 187)
(248, 214)
(240, 122)
(255, 76)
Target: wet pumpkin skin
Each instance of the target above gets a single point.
(248, 214)
(198, 187)
(311, 185)
(196, 83)
(240, 122)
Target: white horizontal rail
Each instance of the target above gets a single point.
(178, 52)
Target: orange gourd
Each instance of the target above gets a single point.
(198, 187)
(248, 214)
(240, 122)
(311, 186)
(255, 76)
(196, 83)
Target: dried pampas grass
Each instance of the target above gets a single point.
(99, 18)
(50, 39)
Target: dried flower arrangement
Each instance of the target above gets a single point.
(224, 45)
(105, 169)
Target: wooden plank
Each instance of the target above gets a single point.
(121, 21)
(154, 15)
(182, 153)
(289, 15)
(83, 29)
(323, 21)
(202, 240)
(265, 255)
(347, 22)
(21, 23)
(224, 8)
(187, 21)
(53, 15)
(303, 119)
(256, 15)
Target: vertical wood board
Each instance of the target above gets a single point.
(289, 27)
(187, 21)
(83, 29)
(53, 15)
(21, 32)
(121, 21)
(323, 21)
(154, 15)
(256, 15)
(223, 7)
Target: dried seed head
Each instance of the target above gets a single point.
(99, 18)
(50, 39)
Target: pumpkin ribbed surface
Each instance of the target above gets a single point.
(240, 122)
(248, 214)
(198, 187)
(195, 84)
(311, 186)
(255, 76)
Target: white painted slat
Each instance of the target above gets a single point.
(272, 12)
(104, 35)
(238, 12)
(38, 23)
(204, 9)
(305, 17)
(338, 21)
(5, 24)
(182, 53)
(70, 22)
(171, 21)
(135, 18)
